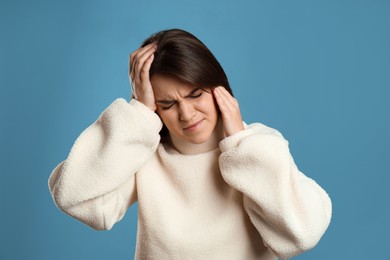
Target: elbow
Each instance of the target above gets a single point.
(91, 217)
(62, 202)
(93, 212)
(98, 225)
(305, 243)
(306, 235)
(290, 243)
(303, 238)
(88, 212)
(297, 246)
(306, 239)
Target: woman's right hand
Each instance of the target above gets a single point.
(139, 65)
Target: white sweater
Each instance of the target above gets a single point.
(244, 200)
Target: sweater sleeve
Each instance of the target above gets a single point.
(96, 183)
(290, 211)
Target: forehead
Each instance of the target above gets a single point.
(170, 87)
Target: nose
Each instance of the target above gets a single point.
(186, 111)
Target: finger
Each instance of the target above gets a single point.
(142, 58)
(131, 62)
(140, 75)
(144, 73)
(221, 101)
(228, 97)
(131, 65)
(140, 62)
(139, 52)
(146, 48)
(134, 56)
(224, 101)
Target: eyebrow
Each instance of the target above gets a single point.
(167, 101)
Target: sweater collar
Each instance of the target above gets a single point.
(211, 144)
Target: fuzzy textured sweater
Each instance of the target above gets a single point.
(244, 199)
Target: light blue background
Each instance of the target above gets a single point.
(319, 71)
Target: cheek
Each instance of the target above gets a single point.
(166, 117)
(208, 105)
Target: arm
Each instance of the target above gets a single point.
(289, 210)
(96, 183)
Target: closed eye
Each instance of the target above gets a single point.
(167, 104)
(195, 93)
(166, 108)
(196, 96)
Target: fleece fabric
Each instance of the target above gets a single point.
(243, 198)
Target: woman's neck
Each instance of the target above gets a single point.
(211, 144)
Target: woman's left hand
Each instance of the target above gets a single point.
(228, 105)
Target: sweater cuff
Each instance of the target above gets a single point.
(136, 109)
(152, 117)
(232, 141)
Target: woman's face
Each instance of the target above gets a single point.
(189, 112)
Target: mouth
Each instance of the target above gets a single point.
(193, 126)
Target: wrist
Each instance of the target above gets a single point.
(235, 130)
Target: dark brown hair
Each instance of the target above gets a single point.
(181, 55)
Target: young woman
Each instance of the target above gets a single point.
(208, 186)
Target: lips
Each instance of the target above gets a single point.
(193, 126)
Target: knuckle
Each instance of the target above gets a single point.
(141, 61)
(143, 74)
(144, 70)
